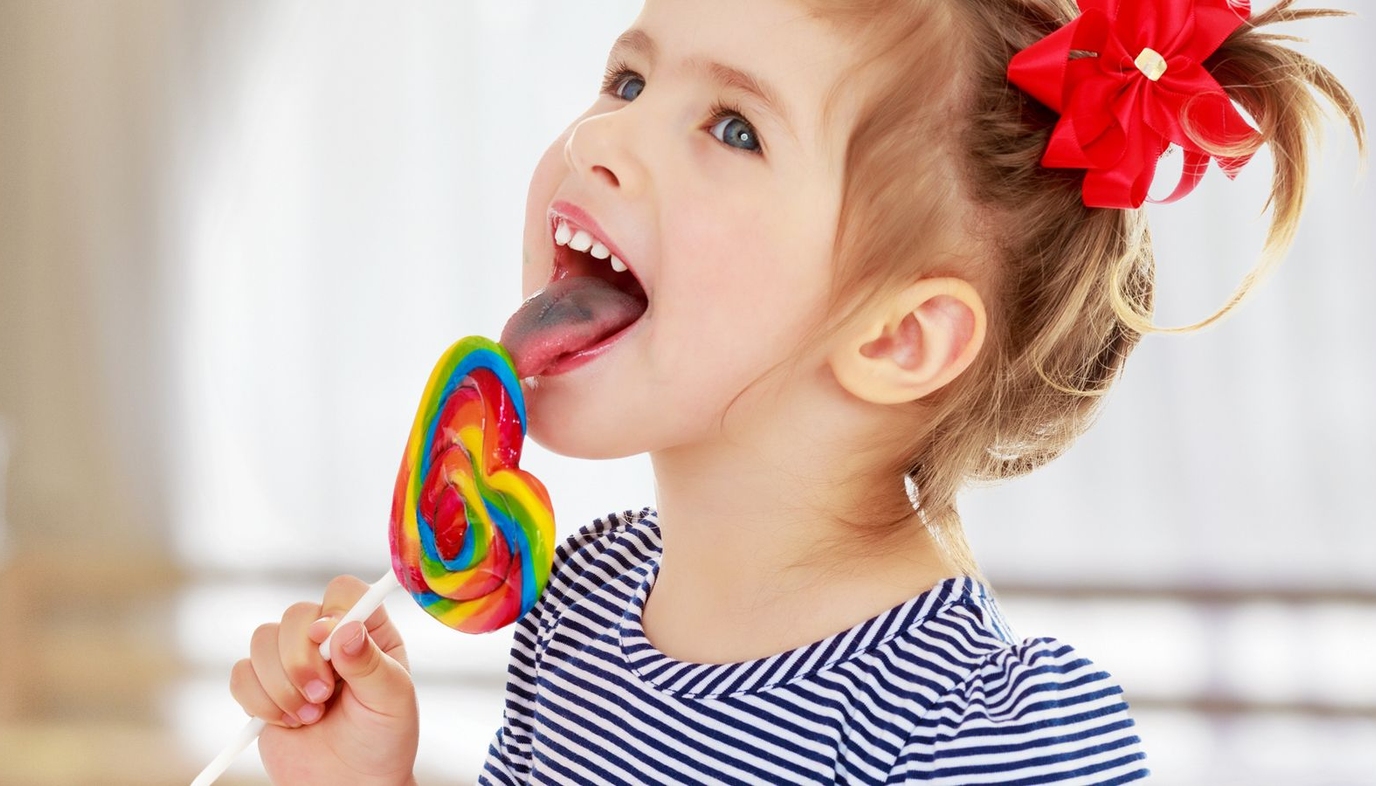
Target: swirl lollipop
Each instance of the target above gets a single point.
(471, 533)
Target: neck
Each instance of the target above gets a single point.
(760, 544)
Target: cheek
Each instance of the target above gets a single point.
(740, 315)
(753, 263)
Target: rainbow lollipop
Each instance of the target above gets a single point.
(471, 533)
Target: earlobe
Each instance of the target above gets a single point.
(913, 343)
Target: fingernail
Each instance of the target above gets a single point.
(317, 691)
(319, 629)
(291, 721)
(309, 713)
(353, 644)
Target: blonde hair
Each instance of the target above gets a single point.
(945, 156)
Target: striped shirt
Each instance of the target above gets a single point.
(934, 690)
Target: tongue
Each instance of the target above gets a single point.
(568, 316)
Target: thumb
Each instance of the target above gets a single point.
(380, 683)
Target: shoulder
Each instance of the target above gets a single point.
(599, 553)
(1034, 680)
(1038, 708)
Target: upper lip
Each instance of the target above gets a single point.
(578, 218)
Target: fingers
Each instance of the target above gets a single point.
(260, 684)
(310, 677)
(379, 682)
(282, 669)
(286, 682)
(248, 691)
(340, 596)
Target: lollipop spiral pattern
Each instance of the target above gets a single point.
(471, 533)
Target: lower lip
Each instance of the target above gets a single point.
(577, 359)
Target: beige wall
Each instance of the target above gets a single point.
(84, 93)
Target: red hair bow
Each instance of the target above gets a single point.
(1137, 70)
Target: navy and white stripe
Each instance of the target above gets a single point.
(934, 690)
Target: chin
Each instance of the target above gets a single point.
(584, 438)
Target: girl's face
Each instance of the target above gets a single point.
(709, 167)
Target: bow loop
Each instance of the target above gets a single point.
(1128, 80)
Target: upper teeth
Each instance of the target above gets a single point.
(581, 240)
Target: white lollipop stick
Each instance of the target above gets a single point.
(236, 746)
(362, 609)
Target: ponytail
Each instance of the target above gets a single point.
(1280, 88)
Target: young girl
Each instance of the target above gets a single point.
(825, 262)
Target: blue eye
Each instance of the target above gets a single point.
(621, 82)
(629, 87)
(737, 133)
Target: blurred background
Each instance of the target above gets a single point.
(235, 235)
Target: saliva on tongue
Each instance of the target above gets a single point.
(568, 316)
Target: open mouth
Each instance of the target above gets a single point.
(592, 299)
(578, 253)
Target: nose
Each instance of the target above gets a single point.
(599, 148)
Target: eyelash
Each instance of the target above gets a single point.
(616, 72)
(721, 110)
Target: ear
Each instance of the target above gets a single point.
(913, 343)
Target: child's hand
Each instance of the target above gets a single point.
(359, 727)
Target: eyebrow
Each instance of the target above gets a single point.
(640, 43)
